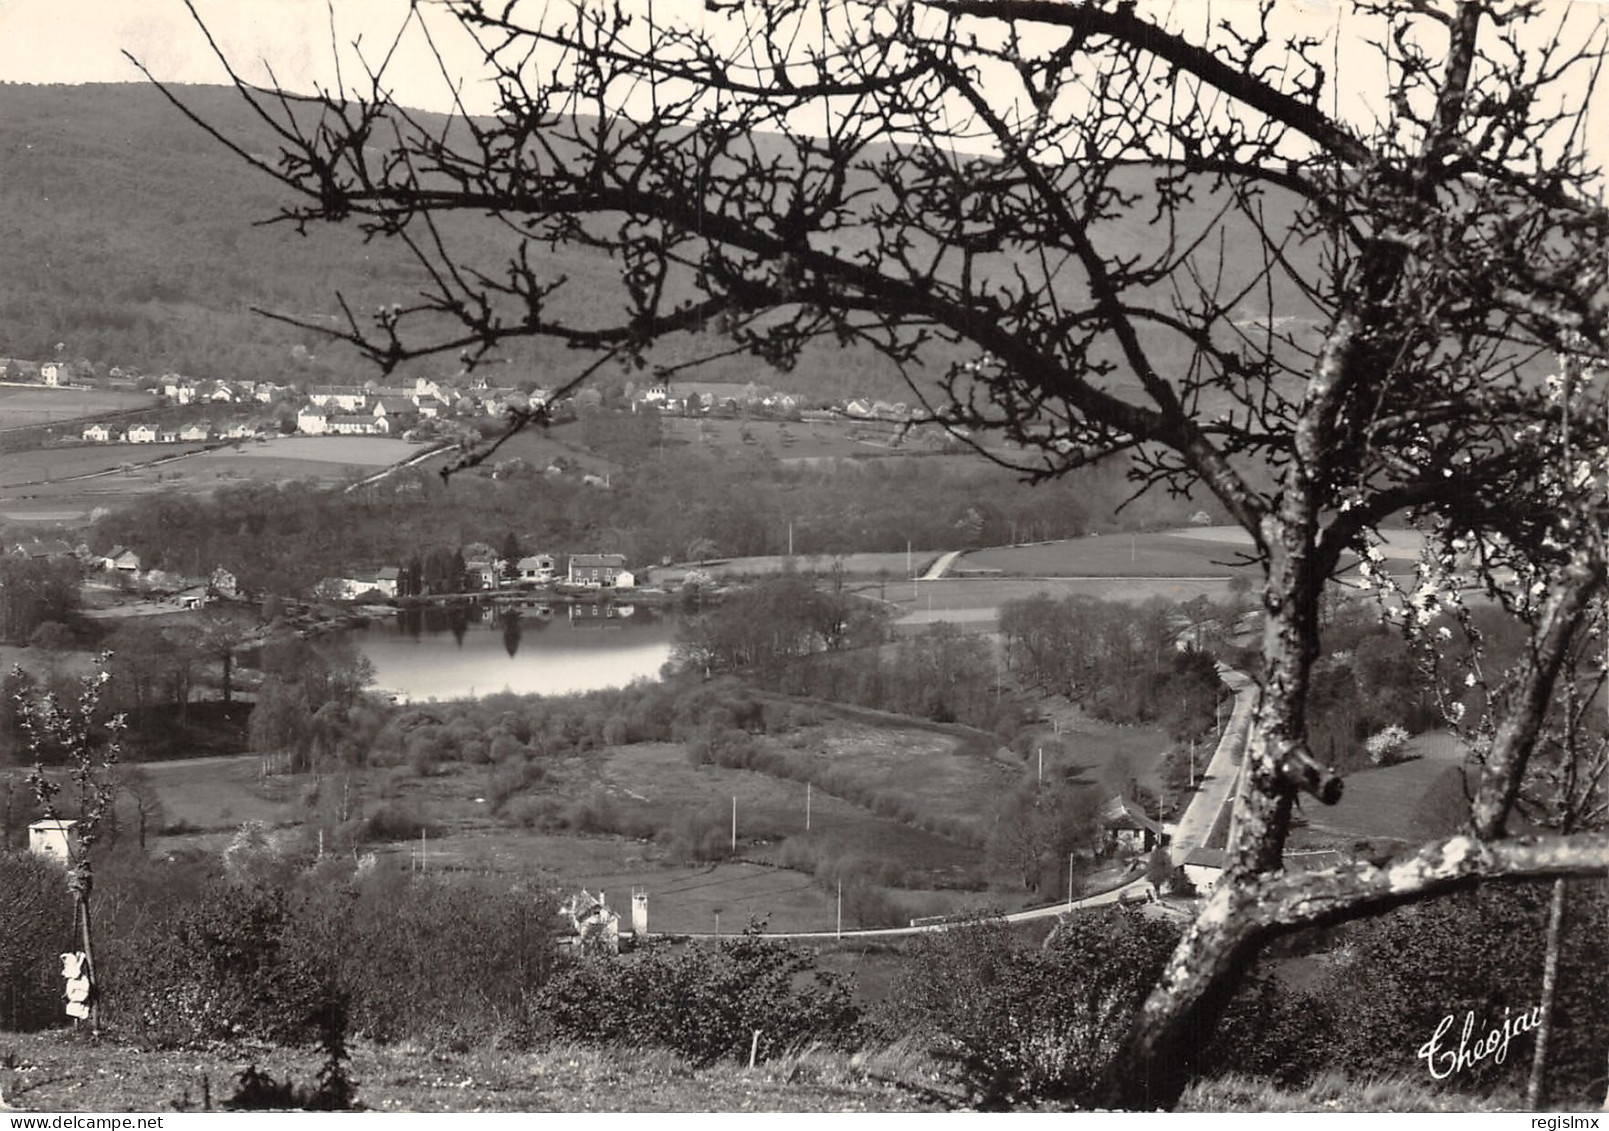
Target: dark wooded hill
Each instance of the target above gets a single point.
(132, 238)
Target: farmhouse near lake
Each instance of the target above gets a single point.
(600, 571)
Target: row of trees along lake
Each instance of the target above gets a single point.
(672, 505)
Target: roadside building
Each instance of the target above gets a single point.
(1128, 828)
(1203, 867)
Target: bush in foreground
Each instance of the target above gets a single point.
(705, 1003)
(1021, 1024)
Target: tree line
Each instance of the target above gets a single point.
(1122, 662)
(672, 504)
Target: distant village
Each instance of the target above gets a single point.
(424, 410)
(409, 411)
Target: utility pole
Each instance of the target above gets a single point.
(1192, 763)
(790, 538)
(1041, 765)
(807, 806)
(734, 823)
(1069, 881)
(840, 907)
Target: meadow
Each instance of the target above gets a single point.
(36, 485)
(538, 447)
(899, 808)
(53, 465)
(792, 439)
(1113, 555)
(1392, 803)
(58, 1070)
(885, 565)
(976, 601)
(345, 451)
(24, 406)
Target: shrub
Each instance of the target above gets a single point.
(1385, 747)
(394, 820)
(705, 1002)
(701, 836)
(1021, 1024)
(221, 968)
(38, 911)
(594, 813)
(506, 748)
(511, 778)
(399, 955)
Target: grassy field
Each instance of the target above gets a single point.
(977, 600)
(62, 1070)
(48, 465)
(655, 783)
(332, 459)
(540, 447)
(1384, 804)
(1113, 555)
(222, 793)
(893, 565)
(344, 451)
(1396, 545)
(924, 777)
(790, 439)
(896, 802)
(23, 407)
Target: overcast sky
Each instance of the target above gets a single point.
(74, 41)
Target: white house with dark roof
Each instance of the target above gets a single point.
(597, 571)
(345, 398)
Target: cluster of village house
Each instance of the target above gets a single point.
(586, 571)
(183, 592)
(378, 410)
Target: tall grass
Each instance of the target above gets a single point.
(1335, 1091)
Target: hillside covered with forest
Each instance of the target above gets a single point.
(134, 239)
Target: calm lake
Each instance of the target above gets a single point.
(470, 650)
